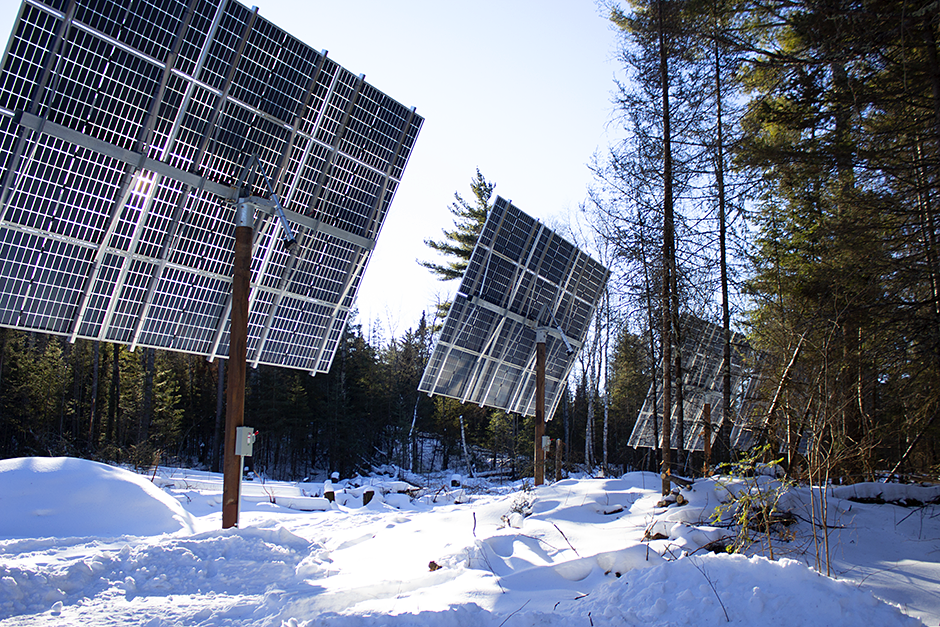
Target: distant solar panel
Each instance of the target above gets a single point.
(702, 368)
(124, 128)
(521, 276)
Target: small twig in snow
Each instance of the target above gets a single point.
(914, 511)
(514, 613)
(712, 586)
(486, 560)
(566, 539)
(545, 542)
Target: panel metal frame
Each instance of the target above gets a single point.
(486, 353)
(124, 125)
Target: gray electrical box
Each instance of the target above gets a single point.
(244, 441)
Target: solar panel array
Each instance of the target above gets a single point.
(702, 367)
(125, 126)
(521, 276)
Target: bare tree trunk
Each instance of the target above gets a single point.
(95, 363)
(724, 430)
(606, 378)
(146, 413)
(219, 414)
(589, 427)
(677, 379)
(114, 406)
(566, 427)
(466, 452)
(651, 324)
(412, 458)
(668, 259)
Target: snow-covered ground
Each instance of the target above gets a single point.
(87, 544)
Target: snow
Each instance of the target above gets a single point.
(887, 493)
(62, 496)
(82, 543)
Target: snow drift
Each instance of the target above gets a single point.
(64, 497)
(574, 553)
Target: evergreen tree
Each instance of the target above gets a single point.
(632, 374)
(166, 423)
(841, 127)
(469, 218)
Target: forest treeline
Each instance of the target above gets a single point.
(149, 406)
(777, 174)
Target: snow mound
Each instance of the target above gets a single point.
(737, 590)
(67, 497)
(706, 591)
(233, 563)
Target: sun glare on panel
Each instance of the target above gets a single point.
(143, 184)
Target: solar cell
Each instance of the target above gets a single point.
(521, 277)
(125, 126)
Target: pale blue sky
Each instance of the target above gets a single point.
(519, 88)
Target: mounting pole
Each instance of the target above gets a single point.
(539, 406)
(237, 354)
(541, 333)
(707, 436)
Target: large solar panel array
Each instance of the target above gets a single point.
(125, 126)
(702, 367)
(521, 276)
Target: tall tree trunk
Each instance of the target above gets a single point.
(679, 390)
(566, 427)
(589, 426)
(651, 324)
(219, 415)
(114, 403)
(95, 365)
(146, 413)
(726, 419)
(606, 378)
(4, 421)
(668, 259)
(933, 65)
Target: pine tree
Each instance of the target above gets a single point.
(842, 128)
(458, 244)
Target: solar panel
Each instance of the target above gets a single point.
(125, 127)
(521, 276)
(702, 368)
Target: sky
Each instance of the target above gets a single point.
(82, 543)
(520, 90)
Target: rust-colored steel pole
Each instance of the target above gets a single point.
(237, 353)
(539, 407)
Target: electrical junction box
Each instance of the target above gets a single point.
(244, 441)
